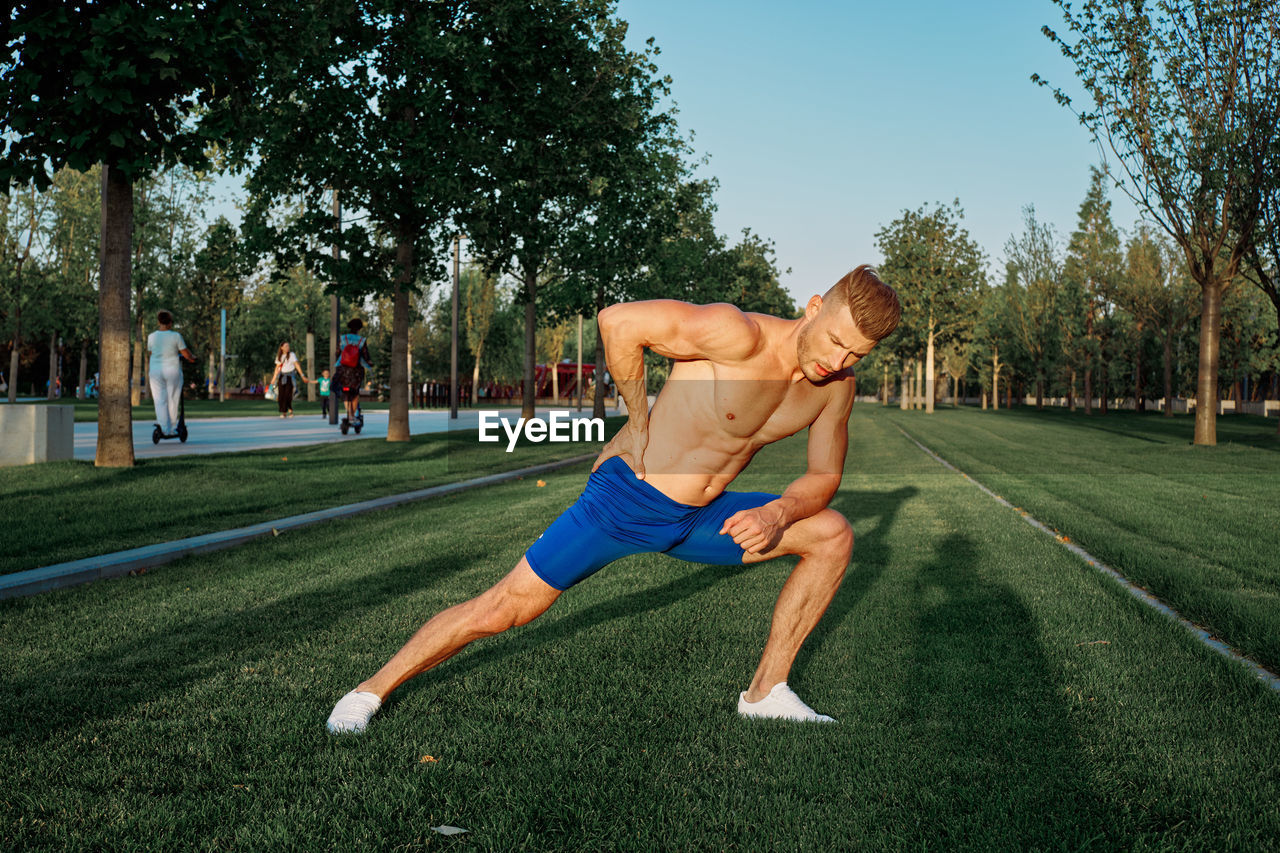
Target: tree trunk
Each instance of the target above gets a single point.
(1088, 389)
(311, 365)
(1071, 392)
(115, 417)
(1168, 373)
(597, 403)
(995, 380)
(398, 419)
(53, 367)
(475, 376)
(929, 387)
(136, 380)
(1039, 394)
(84, 369)
(904, 399)
(527, 407)
(1106, 390)
(1207, 381)
(1139, 397)
(917, 386)
(15, 356)
(884, 384)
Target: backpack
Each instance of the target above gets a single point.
(351, 355)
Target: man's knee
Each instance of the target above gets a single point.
(832, 534)
(501, 608)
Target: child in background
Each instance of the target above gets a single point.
(324, 392)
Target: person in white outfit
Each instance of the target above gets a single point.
(287, 369)
(167, 347)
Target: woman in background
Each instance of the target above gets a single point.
(287, 369)
(165, 369)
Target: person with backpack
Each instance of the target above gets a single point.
(348, 370)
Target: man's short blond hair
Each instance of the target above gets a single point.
(873, 304)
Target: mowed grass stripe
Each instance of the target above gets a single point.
(1196, 527)
(1270, 679)
(184, 709)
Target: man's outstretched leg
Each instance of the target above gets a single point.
(518, 598)
(824, 543)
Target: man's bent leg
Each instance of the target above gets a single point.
(518, 598)
(824, 543)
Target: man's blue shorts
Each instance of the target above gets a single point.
(619, 515)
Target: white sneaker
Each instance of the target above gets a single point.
(352, 713)
(781, 704)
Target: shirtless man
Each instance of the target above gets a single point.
(740, 381)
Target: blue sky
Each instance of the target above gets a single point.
(825, 120)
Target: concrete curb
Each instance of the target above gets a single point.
(59, 575)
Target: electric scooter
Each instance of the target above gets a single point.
(181, 433)
(356, 423)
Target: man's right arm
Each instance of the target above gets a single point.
(678, 330)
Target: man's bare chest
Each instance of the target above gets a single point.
(740, 404)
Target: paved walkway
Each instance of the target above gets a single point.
(221, 435)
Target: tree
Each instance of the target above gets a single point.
(216, 284)
(21, 220)
(76, 218)
(992, 332)
(1032, 286)
(557, 97)
(480, 293)
(1090, 274)
(1184, 94)
(1159, 294)
(120, 85)
(376, 113)
(752, 282)
(937, 268)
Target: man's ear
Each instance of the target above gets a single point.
(812, 307)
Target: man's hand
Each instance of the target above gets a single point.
(755, 530)
(630, 441)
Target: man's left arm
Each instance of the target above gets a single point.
(758, 530)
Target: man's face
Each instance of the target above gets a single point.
(830, 342)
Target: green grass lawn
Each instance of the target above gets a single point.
(993, 692)
(60, 511)
(1197, 526)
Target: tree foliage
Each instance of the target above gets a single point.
(1186, 94)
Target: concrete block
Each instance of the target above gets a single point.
(36, 433)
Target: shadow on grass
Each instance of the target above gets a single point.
(122, 679)
(547, 629)
(870, 555)
(999, 756)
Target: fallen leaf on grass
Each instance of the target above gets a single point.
(427, 758)
(275, 532)
(1094, 643)
(284, 458)
(541, 483)
(449, 830)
